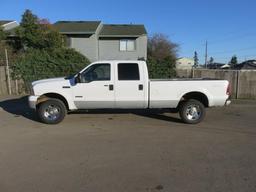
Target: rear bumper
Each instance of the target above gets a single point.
(32, 101)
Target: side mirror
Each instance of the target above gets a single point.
(78, 78)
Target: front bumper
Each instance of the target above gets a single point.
(228, 102)
(32, 101)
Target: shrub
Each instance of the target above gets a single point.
(161, 69)
(37, 64)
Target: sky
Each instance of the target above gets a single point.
(229, 26)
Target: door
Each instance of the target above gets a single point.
(95, 91)
(129, 86)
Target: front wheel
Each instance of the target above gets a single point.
(192, 111)
(52, 111)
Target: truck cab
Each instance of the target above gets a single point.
(114, 84)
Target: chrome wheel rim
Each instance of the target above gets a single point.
(193, 112)
(52, 112)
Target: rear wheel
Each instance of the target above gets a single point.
(52, 111)
(192, 111)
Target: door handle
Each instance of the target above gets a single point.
(140, 87)
(111, 87)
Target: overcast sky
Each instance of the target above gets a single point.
(228, 25)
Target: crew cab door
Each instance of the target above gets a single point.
(130, 86)
(96, 89)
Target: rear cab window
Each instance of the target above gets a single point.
(128, 72)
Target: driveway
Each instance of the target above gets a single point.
(119, 151)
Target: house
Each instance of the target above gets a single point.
(98, 41)
(8, 24)
(226, 66)
(216, 65)
(246, 65)
(184, 63)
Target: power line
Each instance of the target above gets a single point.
(232, 38)
(232, 51)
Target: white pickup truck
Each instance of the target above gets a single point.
(125, 85)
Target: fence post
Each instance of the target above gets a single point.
(237, 84)
(16, 87)
(8, 73)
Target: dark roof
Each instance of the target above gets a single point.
(2, 22)
(250, 64)
(215, 65)
(122, 30)
(77, 27)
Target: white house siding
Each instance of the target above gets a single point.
(184, 63)
(11, 25)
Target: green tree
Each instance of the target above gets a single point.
(196, 60)
(44, 55)
(211, 61)
(233, 62)
(37, 34)
(162, 56)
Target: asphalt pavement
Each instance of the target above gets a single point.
(127, 151)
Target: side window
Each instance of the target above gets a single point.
(97, 72)
(128, 71)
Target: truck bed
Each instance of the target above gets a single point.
(166, 93)
(186, 79)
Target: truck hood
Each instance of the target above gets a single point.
(52, 80)
(53, 85)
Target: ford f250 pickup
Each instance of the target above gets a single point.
(125, 85)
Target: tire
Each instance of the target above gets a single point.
(192, 111)
(52, 111)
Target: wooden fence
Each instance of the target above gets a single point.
(12, 87)
(243, 82)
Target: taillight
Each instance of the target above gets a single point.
(228, 92)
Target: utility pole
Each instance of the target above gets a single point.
(206, 53)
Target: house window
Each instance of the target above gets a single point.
(127, 45)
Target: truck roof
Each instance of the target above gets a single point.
(120, 61)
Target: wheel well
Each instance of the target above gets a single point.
(197, 96)
(52, 95)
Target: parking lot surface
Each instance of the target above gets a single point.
(119, 151)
